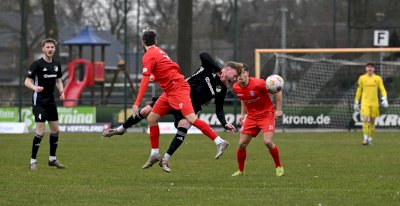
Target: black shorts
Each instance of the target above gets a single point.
(177, 114)
(45, 113)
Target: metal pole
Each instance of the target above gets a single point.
(334, 25)
(137, 45)
(284, 11)
(125, 56)
(21, 56)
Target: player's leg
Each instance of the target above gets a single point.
(221, 144)
(366, 117)
(267, 125)
(132, 120)
(160, 109)
(39, 132)
(241, 152)
(183, 125)
(52, 119)
(40, 120)
(54, 131)
(273, 150)
(371, 132)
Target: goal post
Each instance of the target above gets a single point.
(320, 84)
(258, 52)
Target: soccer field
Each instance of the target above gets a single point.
(320, 169)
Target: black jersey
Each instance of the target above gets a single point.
(206, 85)
(44, 74)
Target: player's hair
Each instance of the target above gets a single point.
(149, 37)
(370, 65)
(236, 66)
(49, 40)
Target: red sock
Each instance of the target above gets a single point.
(241, 157)
(154, 136)
(205, 128)
(275, 154)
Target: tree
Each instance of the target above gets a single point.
(50, 22)
(185, 12)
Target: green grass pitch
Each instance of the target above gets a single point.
(330, 168)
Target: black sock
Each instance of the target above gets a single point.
(132, 120)
(35, 145)
(53, 144)
(177, 141)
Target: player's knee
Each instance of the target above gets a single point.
(183, 123)
(152, 119)
(242, 146)
(269, 144)
(191, 118)
(144, 112)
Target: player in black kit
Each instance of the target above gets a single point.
(207, 83)
(43, 76)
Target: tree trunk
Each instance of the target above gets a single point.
(50, 22)
(185, 13)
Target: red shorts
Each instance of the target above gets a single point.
(252, 126)
(177, 99)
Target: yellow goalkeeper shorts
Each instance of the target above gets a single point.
(369, 111)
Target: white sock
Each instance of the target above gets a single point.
(365, 137)
(166, 156)
(218, 140)
(52, 158)
(155, 152)
(33, 161)
(121, 129)
(370, 139)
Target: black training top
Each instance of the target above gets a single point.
(206, 85)
(44, 74)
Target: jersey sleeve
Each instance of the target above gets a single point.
(359, 89)
(382, 88)
(148, 64)
(32, 71)
(207, 62)
(219, 107)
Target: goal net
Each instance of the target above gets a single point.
(320, 84)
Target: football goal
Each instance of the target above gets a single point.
(320, 84)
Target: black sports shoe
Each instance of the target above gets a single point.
(56, 163)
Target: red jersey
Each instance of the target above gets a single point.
(255, 97)
(166, 72)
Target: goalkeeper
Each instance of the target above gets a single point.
(367, 91)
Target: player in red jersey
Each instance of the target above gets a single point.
(261, 115)
(176, 96)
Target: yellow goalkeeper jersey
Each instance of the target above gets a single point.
(368, 89)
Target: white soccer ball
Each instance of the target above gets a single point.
(274, 83)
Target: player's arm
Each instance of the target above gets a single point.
(278, 110)
(358, 95)
(383, 93)
(207, 62)
(219, 111)
(29, 79)
(148, 65)
(60, 88)
(243, 112)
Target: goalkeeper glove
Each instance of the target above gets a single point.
(356, 106)
(384, 102)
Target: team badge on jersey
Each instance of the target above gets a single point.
(218, 89)
(56, 68)
(44, 69)
(252, 93)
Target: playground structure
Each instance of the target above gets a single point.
(91, 72)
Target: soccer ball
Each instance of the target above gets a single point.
(274, 83)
